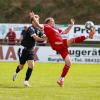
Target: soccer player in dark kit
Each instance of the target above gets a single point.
(28, 39)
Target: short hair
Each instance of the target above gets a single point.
(47, 20)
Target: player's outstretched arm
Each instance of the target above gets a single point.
(72, 21)
(38, 38)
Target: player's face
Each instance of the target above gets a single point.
(25, 28)
(10, 30)
(52, 22)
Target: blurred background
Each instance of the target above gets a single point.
(16, 11)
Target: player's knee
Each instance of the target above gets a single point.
(31, 67)
(21, 66)
(31, 64)
(69, 63)
(70, 42)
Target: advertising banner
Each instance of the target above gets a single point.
(76, 30)
(17, 28)
(87, 55)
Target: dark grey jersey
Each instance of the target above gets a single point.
(28, 41)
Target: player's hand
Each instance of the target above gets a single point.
(31, 14)
(44, 37)
(72, 21)
(36, 16)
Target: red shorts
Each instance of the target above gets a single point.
(62, 49)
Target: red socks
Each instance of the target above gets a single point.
(65, 71)
(79, 39)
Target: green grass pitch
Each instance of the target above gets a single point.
(82, 82)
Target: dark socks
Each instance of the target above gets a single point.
(28, 74)
(17, 69)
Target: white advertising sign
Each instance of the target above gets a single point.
(17, 28)
(46, 54)
(76, 30)
(85, 55)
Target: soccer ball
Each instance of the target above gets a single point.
(89, 25)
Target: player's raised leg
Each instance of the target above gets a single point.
(82, 38)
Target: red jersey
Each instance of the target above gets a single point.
(11, 37)
(53, 36)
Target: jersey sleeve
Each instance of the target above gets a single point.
(40, 33)
(60, 30)
(31, 31)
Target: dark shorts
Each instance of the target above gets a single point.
(26, 54)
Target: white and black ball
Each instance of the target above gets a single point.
(89, 25)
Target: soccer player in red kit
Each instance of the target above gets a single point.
(60, 45)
